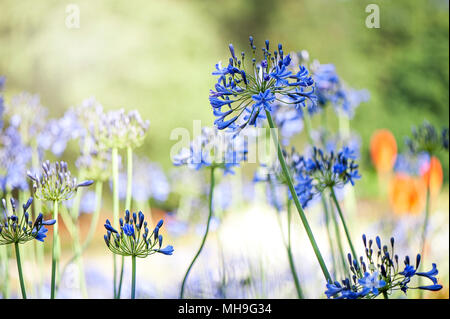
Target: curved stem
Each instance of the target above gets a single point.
(347, 233)
(288, 177)
(211, 193)
(115, 180)
(19, 268)
(339, 241)
(133, 277)
(55, 250)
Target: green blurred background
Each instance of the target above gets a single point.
(157, 56)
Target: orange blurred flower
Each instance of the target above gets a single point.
(407, 194)
(383, 150)
(432, 175)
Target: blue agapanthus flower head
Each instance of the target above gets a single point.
(325, 171)
(134, 238)
(253, 86)
(330, 89)
(213, 148)
(379, 271)
(20, 229)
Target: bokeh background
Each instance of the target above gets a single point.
(157, 57)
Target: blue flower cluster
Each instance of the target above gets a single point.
(324, 171)
(244, 92)
(381, 273)
(15, 229)
(331, 90)
(427, 139)
(213, 148)
(134, 238)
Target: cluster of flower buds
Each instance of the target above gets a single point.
(427, 139)
(118, 129)
(213, 148)
(242, 95)
(134, 238)
(325, 171)
(381, 273)
(56, 182)
(20, 229)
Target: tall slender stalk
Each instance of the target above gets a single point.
(211, 194)
(288, 177)
(298, 287)
(347, 233)
(424, 232)
(127, 206)
(308, 129)
(55, 250)
(339, 241)
(115, 180)
(19, 268)
(133, 277)
(330, 239)
(287, 242)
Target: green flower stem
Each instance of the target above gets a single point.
(211, 193)
(298, 287)
(133, 277)
(115, 180)
(385, 295)
(424, 233)
(330, 239)
(308, 129)
(55, 250)
(19, 268)
(287, 243)
(288, 177)
(129, 178)
(95, 216)
(127, 206)
(339, 241)
(347, 233)
(93, 225)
